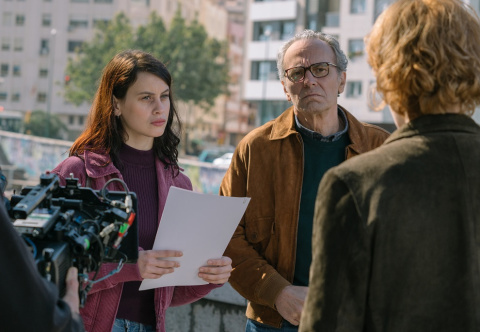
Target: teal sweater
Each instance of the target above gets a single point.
(319, 156)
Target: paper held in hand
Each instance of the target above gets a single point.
(199, 225)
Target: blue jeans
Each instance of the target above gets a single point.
(253, 326)
(124, 325)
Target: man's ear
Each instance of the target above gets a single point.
(343, 80)
(286, 93)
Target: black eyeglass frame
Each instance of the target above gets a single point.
(309, 69)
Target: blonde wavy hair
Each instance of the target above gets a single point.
(426, 56)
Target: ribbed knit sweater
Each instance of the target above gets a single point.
(319, 157)
(138, 170)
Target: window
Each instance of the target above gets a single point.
(74, 44)
(102, 1)
(262, 70)
(81, 119)
(18, 44)
(43, 72)
(41, 97)
(46, 20)
(355, 48)
(7, 19)
(380, 6)
(78, 22)
(71, 120)
(3, 69)
(17, 70)
(3, 95)
(279, 30)
(16, 96)
(357, 6)
(44, 47)
(100, 22)
(354, 89)
(20, 19)
(5, 43)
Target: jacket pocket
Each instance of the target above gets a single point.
(259, 233)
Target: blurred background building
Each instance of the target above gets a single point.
(270, 23)
(37, 37)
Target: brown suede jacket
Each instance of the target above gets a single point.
(268, 167)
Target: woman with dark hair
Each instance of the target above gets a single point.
(130, 135)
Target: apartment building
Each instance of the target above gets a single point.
(38, 36)
(271, 23)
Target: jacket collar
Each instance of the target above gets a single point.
(435, 123)
(284, 126)
(98, 164)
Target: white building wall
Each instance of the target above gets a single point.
(343, 24)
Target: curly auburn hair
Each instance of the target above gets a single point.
(426, 56)
(104, 131)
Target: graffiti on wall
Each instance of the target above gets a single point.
(36, 155)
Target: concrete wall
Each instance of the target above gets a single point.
(36, 155)
(223, 310)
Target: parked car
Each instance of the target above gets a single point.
(210, 154)
(224, 160)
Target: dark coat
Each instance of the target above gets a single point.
(396, 242)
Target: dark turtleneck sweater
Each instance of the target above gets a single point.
(138, 171)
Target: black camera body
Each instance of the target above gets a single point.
(75, 226)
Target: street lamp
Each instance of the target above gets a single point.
(53, 33)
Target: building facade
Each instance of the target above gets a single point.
(271, 23)
(37, 37)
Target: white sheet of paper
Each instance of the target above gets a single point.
(199, 225)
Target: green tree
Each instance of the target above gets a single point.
(35, 125)
(197, 63)
(86, 68)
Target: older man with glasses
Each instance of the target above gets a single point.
(280, 165)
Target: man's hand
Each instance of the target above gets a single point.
(71, 293)
(217, 271)
(152, 265)
(290, 303)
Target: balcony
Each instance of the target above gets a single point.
(273, 10)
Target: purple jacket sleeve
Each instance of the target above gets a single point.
(188, 294)
(129, 272)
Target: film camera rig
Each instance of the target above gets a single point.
(76, 226)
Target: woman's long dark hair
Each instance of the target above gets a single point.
(104, 132)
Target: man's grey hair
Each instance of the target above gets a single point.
(341, 59)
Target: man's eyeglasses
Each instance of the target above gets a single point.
(297, 74)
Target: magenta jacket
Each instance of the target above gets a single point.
(103, 299)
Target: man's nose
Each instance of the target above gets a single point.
(309, 79)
